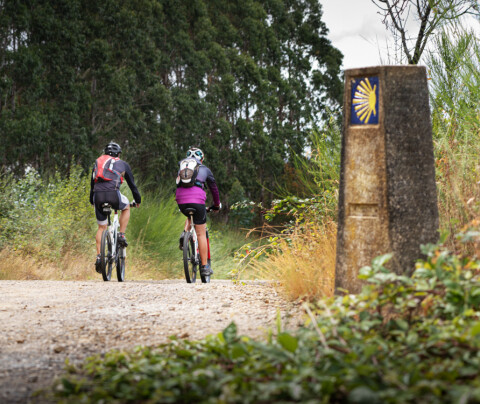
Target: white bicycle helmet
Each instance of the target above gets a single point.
(196, 153)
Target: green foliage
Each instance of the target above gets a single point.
(313, 189)
(454, 69)
(321, 206)
(242, 211)
(319, 170)
(242, 80)
(48, 218)
(455, 95)
(401, 340)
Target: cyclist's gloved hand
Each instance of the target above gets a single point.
(215, 207)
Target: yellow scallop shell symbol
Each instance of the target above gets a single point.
(364, 101)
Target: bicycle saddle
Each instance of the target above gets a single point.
(106, 208)
(190, 211)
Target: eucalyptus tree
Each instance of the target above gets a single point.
(246, 81)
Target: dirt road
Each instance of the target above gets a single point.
(44, 322)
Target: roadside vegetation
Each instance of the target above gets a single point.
(455, 97)
(401, 340)
(47, 231)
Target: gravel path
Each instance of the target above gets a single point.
(44, 322)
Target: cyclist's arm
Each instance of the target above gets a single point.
(212, 185)
(92, 183)
(131, 183)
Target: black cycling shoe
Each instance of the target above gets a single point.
(98, 264)
(122, 241)
(206, 270)
(180, 240)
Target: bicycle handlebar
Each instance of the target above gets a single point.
(214, 207)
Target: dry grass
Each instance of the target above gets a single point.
(17, 265)
(458, 188)
(303, 262)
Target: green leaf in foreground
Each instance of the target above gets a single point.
(287, 341)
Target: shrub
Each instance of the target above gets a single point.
(50, 218)
(401, 340)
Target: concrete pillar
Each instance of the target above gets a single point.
(387, 197)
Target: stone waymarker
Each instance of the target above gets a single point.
(387, 200)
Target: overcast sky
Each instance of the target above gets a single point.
(356, 29)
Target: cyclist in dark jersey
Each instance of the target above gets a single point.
(195, 197)
(107, 176)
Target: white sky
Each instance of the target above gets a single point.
(356, 29)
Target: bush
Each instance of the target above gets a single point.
(401, 340)
(50, 218)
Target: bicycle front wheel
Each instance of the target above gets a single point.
(106, 255)
(120, 264)
(190, 258)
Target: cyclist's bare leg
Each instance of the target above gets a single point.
(98, 237)
(187, 225)
(201, 230)
(124, 218)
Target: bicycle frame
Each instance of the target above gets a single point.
(194, 259)
(111, 252)
(194, 235)
(114, 228)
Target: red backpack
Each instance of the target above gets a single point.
(104, 169)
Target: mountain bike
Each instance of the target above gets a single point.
(110, 250)
(191, 254)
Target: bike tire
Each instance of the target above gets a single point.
(190, 258)
(106, 255)
(120, 265)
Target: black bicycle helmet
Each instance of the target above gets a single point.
(113, 149)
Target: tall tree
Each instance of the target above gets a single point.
(245, 80)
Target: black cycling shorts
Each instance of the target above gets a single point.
(114, 198)
(200, 216)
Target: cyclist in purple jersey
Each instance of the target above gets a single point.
(196, 197)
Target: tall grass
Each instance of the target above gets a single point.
(301, 255)
(301, 260)
(154, 229)
(51, 215)
(454, 68)
(47, 231)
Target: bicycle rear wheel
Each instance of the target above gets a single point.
(106, 255)
(190, 258)
(120, 264)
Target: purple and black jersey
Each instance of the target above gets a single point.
(197, 194)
